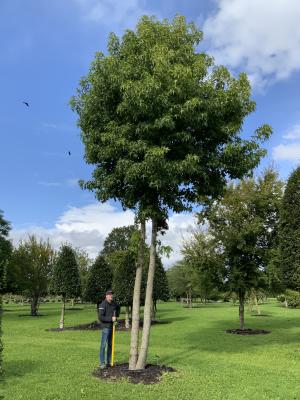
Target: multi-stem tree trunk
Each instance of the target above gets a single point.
(34, 304)
(242, 309)
(127, 320)
(148, 300)
(135, 311)
(62, 315)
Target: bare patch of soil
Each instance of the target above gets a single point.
(248, 331)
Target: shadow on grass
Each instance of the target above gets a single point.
(170, 320)
(17, 369)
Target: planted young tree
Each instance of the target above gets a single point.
(289, 233)
(5, 253)
(244, 226)
(99, 280)
(66, 279)
(32, 265)
(161, 124)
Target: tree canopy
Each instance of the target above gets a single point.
(32, 267)
(244, 224)
(161, 122)
(289, 232)
(66, 279)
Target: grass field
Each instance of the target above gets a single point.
(210, 364)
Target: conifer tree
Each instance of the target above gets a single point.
(66, 279)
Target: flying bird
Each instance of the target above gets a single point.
(69, 153)
(26, 104)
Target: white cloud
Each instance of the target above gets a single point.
(260, 37)
(293, 133)
(112, 12)
(287, 152)
(87, 227)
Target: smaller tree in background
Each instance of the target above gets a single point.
(123, 281)
(205, 265)
(289, 233)
(84, 264)
(244, 224)
(119, 239)
(99, 280)
(160, 285)
(31, 268)
(66, 279)
(179, 280)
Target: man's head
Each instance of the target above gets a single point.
(109, 295)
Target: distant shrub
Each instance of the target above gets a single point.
(292, 298)
(281, 298)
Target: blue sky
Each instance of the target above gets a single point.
(46, 46)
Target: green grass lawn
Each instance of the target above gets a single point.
(210, 364)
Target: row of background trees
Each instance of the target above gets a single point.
(34, 270)
(247, 245)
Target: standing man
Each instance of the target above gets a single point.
(108, 313)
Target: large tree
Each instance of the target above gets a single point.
(161, 124)
(32, 265)
(244, 225)
(66, 278)
(5, 252)
(289, 232)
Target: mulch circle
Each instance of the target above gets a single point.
(95, 325)
(33, 316)
(150, 375)
(248, 331)
(260, 315)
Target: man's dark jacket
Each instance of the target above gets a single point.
(107, 311)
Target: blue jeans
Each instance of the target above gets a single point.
(106, 338)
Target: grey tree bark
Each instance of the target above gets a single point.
(135, 312)
(242, 309)
(148, 300)
(62, 315)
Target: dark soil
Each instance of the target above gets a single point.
(151, 374)
(248, 331)
(33, 316)
(94, 326)
(260, 315)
